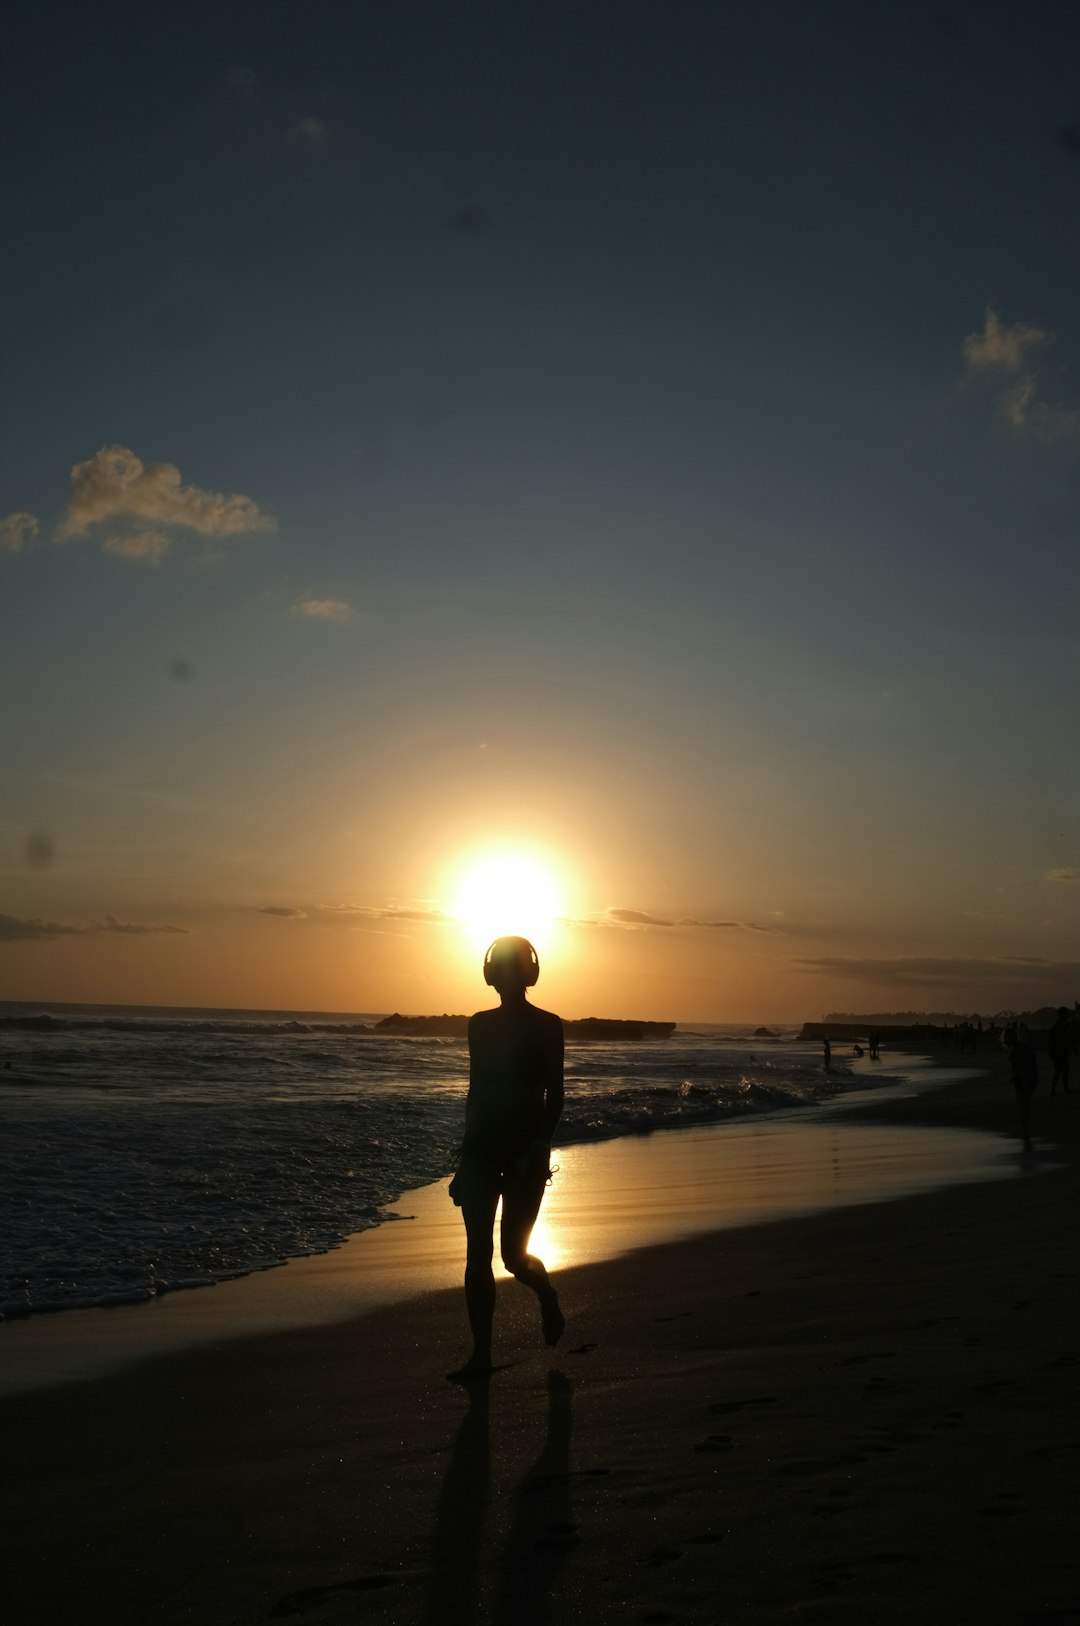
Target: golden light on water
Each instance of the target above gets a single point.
(508, 893)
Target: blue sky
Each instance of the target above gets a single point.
(659, 427)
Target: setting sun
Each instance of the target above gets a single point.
(508, 893)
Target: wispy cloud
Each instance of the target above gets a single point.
(311, 132)
(258, 122)
(324, 609)
(998, 346)
(139, 547)
(131, 928)
(350, 913)
(1025, 411)
(17, 530)
(643, 918)
(1068, 873)
(915, 971)
(20, 929)
(114, 484)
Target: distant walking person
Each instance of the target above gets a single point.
(514, 1103)
(1058, 1044)
(1024, 1071)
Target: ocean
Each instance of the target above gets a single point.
(149, 1149)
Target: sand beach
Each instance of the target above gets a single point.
(859, 1412)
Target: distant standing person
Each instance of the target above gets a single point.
(514, 1103)
(1058, 1042)
(873, 1044)
(826, 1047)
(1024, 1071)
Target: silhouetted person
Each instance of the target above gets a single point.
(1024, 1071)
(826, 1052)
(1058, 1045)
(514, 1103)
(873, 1044)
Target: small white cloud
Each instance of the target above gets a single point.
(1069, 873)
(310, 132)
(324, 609)
(1016, 403)
(115, 484)
(140, 547)
(999, 346)
(245, 82)
(16, 530)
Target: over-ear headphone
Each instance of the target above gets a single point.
(512, 948)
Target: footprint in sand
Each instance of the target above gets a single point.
(1006, 1504)
(800, 1466)
(560, 1538)
(658, 1556)
(715, 1442)
(722, 1408)
(298, 1603)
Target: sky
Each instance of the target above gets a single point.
(611, 471)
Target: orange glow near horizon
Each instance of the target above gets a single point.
(508, 893)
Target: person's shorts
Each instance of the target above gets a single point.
(494, 1172)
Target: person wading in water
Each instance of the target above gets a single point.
(514, 1102)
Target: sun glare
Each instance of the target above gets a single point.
(508, 894)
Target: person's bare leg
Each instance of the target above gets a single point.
(521, 1204)
(479, 1214)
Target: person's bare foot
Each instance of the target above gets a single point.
(551, 1317)
(477, 1366)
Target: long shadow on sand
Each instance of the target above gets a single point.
(541, 1531)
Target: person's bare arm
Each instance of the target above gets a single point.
(553, 1075)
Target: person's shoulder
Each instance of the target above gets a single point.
(547, 1019)
(484, 1018)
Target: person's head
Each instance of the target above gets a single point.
(1063, 1013)
(511, 965)
(1009, 1038)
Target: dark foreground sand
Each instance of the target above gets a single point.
(866, 1416)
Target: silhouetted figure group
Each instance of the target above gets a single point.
(1060, 1042)
(967, 1037)
(1024, 1072)
(1063, 1037)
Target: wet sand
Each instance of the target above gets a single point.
(863, 1414)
